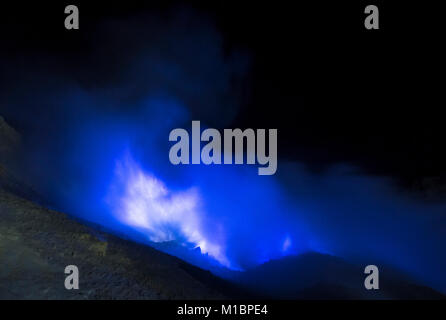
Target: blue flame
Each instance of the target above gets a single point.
(287, 243)
(145, 203)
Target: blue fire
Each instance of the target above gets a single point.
(145, 203)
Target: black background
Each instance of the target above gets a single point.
(336, 91)
(276, 309)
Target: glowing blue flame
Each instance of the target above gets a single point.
(144, 202)
(286, 244)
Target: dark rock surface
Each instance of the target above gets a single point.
(321, 276)
(36, 244)
(9, 139)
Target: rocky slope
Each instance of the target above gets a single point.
(36, 244)
(320, 276)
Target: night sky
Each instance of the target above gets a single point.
(335, 91)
